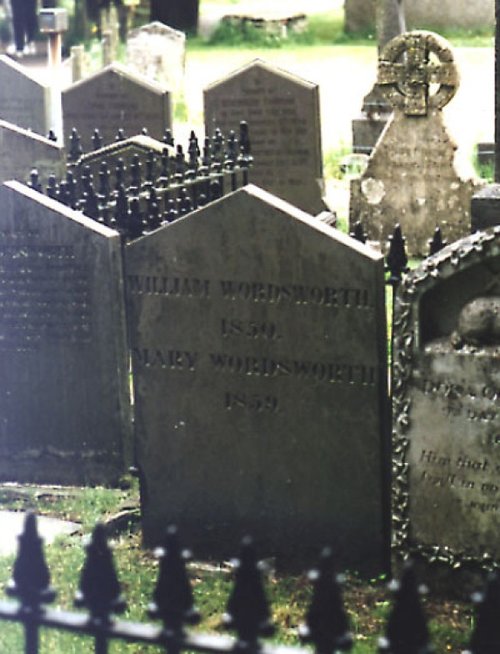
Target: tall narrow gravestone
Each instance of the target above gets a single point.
(282, 112)
(412, 177)
(112, 99)
(24, 100)
(258, 349)
(64, 402)
(446, 407)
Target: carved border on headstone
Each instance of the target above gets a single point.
(469, 250)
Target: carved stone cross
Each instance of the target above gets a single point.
(408, 77)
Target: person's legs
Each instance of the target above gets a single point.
(18, 24)
(31, 20)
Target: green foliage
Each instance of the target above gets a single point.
(485, 170)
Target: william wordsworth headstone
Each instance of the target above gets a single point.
(258, 349)
(22, 150)
(282, 111)
(64, 402)
(446, 407)
(116, 98)
(24, 100)
(412, 177)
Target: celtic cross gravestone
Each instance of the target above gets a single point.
(412, 177)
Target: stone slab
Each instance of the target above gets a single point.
(446, 410)
(64, 396)
(22, 150)
(282, 112)
(12, 525)
(24, 100)
(485, 208)
(115, 98)
(259, 359)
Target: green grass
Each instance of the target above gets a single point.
(367, 602)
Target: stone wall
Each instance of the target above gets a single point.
(359, 14)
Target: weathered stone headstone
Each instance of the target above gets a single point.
(412, 177)
(446, 407)
(158, 52)
(21, 150)
(282, 112)
(115, 98)
(24, 100)
(64, 401)
(258, 348)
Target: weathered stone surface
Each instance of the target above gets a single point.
(24, 101)
(446, 409)
(282, 111)
(360, 14)
(116, 98)
(64, 401)
(158, 52)
(258, 339)
(21, 150)
(412, 177)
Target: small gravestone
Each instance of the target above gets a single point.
(258, 350)
(112, 99)
(412, 177)
(64, 401)
(446, 408)
(22, 150)
(282, 111)
(158, 52)
(24, 100)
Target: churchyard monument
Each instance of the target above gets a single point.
(446, 408)
(64, 400)
(412, 177)
(259, 361)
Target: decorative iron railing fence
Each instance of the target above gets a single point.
(326, 624)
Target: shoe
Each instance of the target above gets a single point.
(19, 54)
(11, 49)
(31, 47)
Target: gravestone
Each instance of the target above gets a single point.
(258, 350)
(158, 52)
(24, 100)
(446, 407)
(282, 112)
(115, 98)
(376, 110)
(64, 401)
(412, 177)
(21, 150)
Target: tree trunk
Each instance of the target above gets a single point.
(180, 14)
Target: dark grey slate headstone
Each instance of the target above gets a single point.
(24, 101)
(22, 150)
(446, 408)
(115, 98)
(258, 348)
(282, 112)
(64, 401)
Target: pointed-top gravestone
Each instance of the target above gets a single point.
(446, 409)
(258, 348)
(21, 150)
(24, 100)
(282, 112)
(158, 52)
(64, 401)
(112, 99)
(412, 177)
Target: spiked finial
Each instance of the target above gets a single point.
(173, 598)
(99, 586)
(247, 610)
(396, 259)
(485, 638)
(75, 149)
(406, 631)
(436, 243)
(327, 625)
(30, 581)
(358, 232)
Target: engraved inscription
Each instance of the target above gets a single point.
(44, 296)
